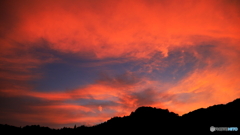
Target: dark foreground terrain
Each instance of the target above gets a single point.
(148, 120)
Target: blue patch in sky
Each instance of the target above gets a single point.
(62, 76)
(74, 71)
(78, 70)
(179, 64)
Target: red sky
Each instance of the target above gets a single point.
(84, 61)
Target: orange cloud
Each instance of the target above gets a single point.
(134, 28)
(216, 86)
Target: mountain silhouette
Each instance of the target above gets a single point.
(149, 120)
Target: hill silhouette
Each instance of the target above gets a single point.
(149, 120)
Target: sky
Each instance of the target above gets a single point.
(67, 62)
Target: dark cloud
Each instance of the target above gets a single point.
(93, 102)
(9, 19)
(145, 97)
(13, 107)
(122, 80)
(22, 104)
(24, 110)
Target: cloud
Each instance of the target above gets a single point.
(100, 108)
(31, 110)
(86, 27)
(123, 80)
(216, 86)
(169, 54)
(81, 105)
